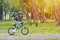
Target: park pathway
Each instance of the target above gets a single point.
(29, 36)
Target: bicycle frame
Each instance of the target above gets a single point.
(19, 26)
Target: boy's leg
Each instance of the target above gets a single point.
(16, 23)
(16, 27)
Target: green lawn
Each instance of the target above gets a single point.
(43, 28)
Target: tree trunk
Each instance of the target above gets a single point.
(41, 14)
(34, 11)
(1, 13)
(58, 14)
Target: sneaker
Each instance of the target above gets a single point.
(15, 30)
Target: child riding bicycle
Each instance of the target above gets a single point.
(17, 19)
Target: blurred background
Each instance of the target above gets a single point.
(42, 13)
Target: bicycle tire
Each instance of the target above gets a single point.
(9, 31)
(26, 32)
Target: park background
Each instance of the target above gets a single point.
(42, 16)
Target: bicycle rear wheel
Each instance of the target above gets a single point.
(10, 31)
(24, 31)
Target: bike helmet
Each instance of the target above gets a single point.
(20, 12)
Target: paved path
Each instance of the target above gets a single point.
(29, 36)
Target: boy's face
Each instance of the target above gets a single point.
(20, 15)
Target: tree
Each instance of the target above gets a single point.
(1, 9)
(58, 12)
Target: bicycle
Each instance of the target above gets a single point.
(24, 30)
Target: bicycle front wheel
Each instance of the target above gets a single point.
(24, 31)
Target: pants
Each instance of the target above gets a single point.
(16, 23)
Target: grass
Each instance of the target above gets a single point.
(43, 28)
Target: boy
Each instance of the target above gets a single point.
(17, 19)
